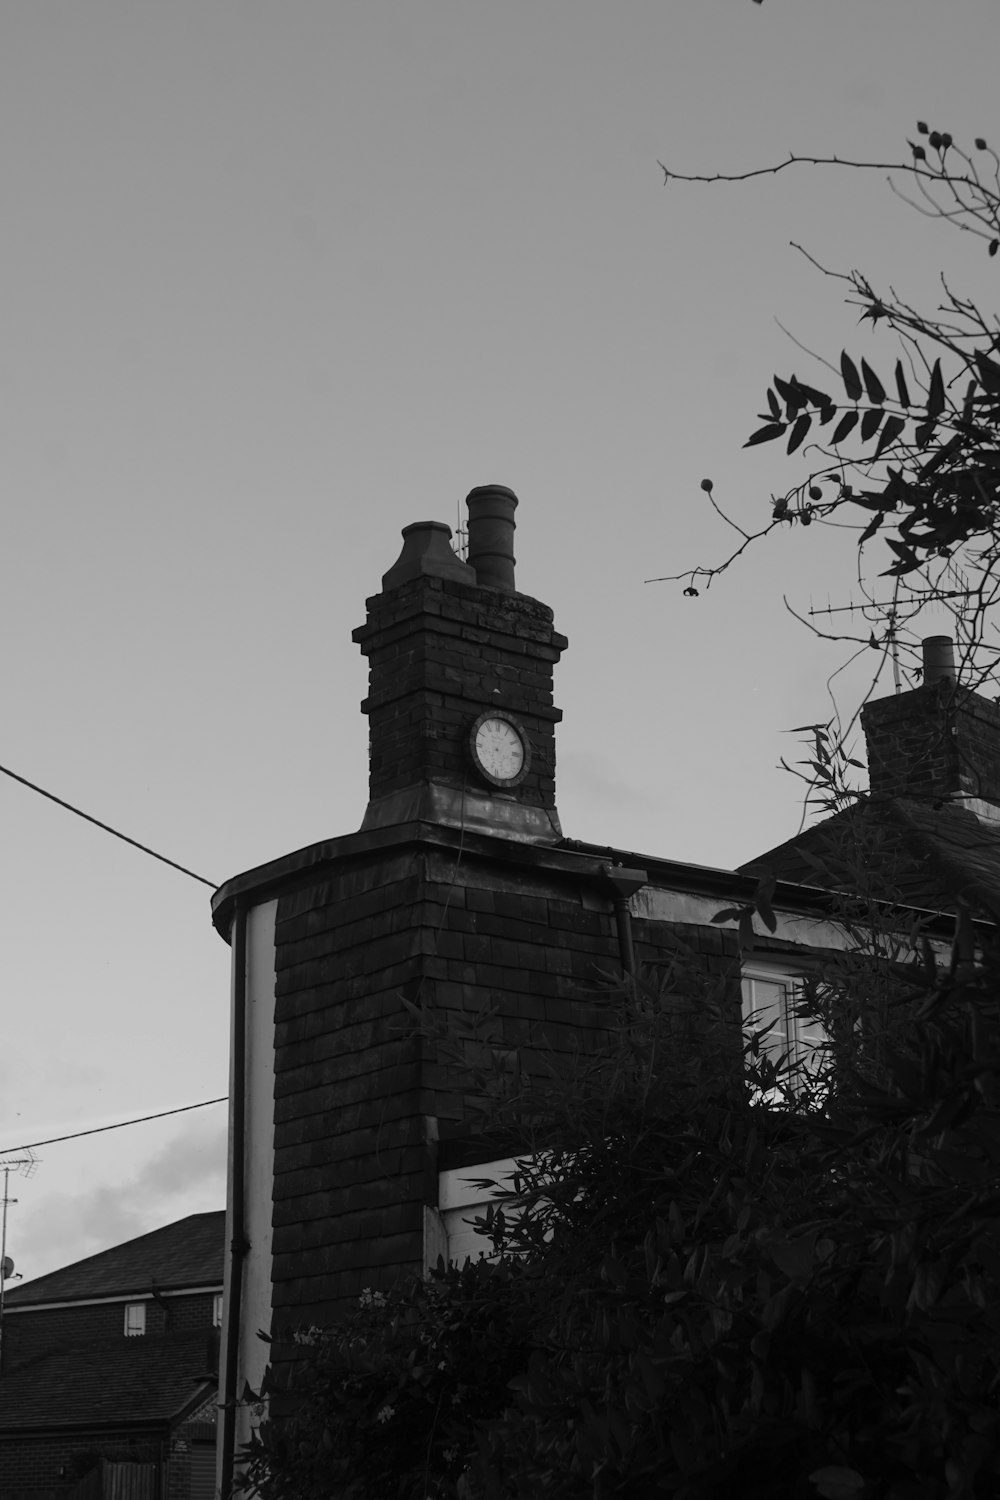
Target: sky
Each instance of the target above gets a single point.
(280, 279)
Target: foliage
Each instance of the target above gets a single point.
(904, 449)
(700, 1295)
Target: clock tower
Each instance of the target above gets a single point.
(461, 720)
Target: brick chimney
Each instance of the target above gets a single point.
(937, 743)
(447, 643)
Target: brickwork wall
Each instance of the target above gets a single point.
(440, 651)
(349, 1153)
(178, 1481)
(355, 1090)
(26, 1335)
(933, 743)
(364, 1108)
(192, 1441)
(28, 1463)
(699, 952)
(526, 945)
(190, 1312)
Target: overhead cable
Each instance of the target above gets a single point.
(98, 1129)
(107, 827)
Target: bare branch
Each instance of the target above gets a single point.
(928, 173)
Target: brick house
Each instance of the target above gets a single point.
(928, 833)
(350, 1147)
(109, 1371)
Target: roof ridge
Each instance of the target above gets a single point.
(83, 1278)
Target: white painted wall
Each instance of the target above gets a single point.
(459, 1201)
(258, 1165)
(657, 904)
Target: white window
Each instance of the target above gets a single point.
(135, 1319)
(217, 1310)
(771, 998)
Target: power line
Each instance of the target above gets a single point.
(107, 827)
(98, 1129)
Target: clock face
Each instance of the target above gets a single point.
(499, 749)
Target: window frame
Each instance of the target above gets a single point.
(135, 1311)
(797, 1040)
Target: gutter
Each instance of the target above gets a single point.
(238, 1245)
(143, 1295)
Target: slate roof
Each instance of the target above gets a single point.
(918, 853)
(131, 1381)
(188, 1253)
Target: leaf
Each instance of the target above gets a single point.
(874, 386)
(890, 432)
(847, 424)
(817, 397)
(791, 393)
(852, 380)
(798, 432)
(765, 434)
(907, 559)
(794, 1257)
(731, 914)
(775, 1308)
(766, 912)
(834, 1482)
(935, 394)
(904, 395)
(650, 1376)
(870, 422)
(772, 402)
(900, 549)
(989, 374)
(866, 536)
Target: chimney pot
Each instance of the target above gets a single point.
(426, 554)
(938, 660)
(491, 535)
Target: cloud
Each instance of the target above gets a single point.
(187, 1175)
(195, 1158)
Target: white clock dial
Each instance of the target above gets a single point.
(499, 749)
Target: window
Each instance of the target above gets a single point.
(135, 1319)
(770, 999)
(217, 1310)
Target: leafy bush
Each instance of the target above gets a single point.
(700, 1296)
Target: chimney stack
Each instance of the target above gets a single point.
(491, 535)
(450, 643)
(938, 742)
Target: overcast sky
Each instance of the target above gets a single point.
(281, 278)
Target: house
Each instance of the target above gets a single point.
(110, 1365)
(928, 833)
(350, 1146)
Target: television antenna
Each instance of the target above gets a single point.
(24, 1165)
(460, 542)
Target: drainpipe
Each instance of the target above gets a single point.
(238, 1245)
(624, 883)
